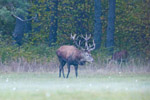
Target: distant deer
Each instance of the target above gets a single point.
(120, 56)
(72, 56)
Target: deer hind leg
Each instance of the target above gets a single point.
(62, 63)
(68, 65)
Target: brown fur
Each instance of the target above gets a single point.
(121, 55)
(69, 53)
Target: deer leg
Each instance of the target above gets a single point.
(76, 70)
(60, 70)
(63, 72)
(62, 63)
(68, 65)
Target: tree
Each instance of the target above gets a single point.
(15, 10)
(9, 9)
(98, 24)
(23, 22)
(111, 25)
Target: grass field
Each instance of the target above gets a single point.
(47, 86)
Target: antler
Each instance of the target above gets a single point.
(89, 47)
(75, 39)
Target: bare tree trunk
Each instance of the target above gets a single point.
(98, 24)
(111, 26)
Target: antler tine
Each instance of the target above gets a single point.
(92, 46)
(80, 45)
(73, 36)
(86, 38)
(82, 36)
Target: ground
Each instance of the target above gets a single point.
(47, 86)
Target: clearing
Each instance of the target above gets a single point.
(47, 86)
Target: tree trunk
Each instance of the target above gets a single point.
(53, 22)
(98, 24)
(19, 31)
(111, 26)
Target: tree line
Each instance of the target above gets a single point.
(115, 25)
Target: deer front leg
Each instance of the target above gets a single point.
(60, 71)
(76, 70)
(63, 72)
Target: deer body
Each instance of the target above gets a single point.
(120, 56)
(73, 56)
(70, 54)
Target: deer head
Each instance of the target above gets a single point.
(88, 47)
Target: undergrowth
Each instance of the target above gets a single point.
(28, 52)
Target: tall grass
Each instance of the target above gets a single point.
(41, 58)
(23, 65)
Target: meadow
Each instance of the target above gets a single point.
(88, 86)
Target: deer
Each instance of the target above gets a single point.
(120, 56)
(75, 55)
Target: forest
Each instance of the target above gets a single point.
(31, 31)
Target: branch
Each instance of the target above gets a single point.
(23, 19)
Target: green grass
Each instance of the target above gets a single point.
(47, 86)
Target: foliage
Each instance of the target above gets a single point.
(132, 29)
(73, 17)
(28, 52)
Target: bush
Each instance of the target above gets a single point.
(29, 52)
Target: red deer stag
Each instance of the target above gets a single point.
(72, 56)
